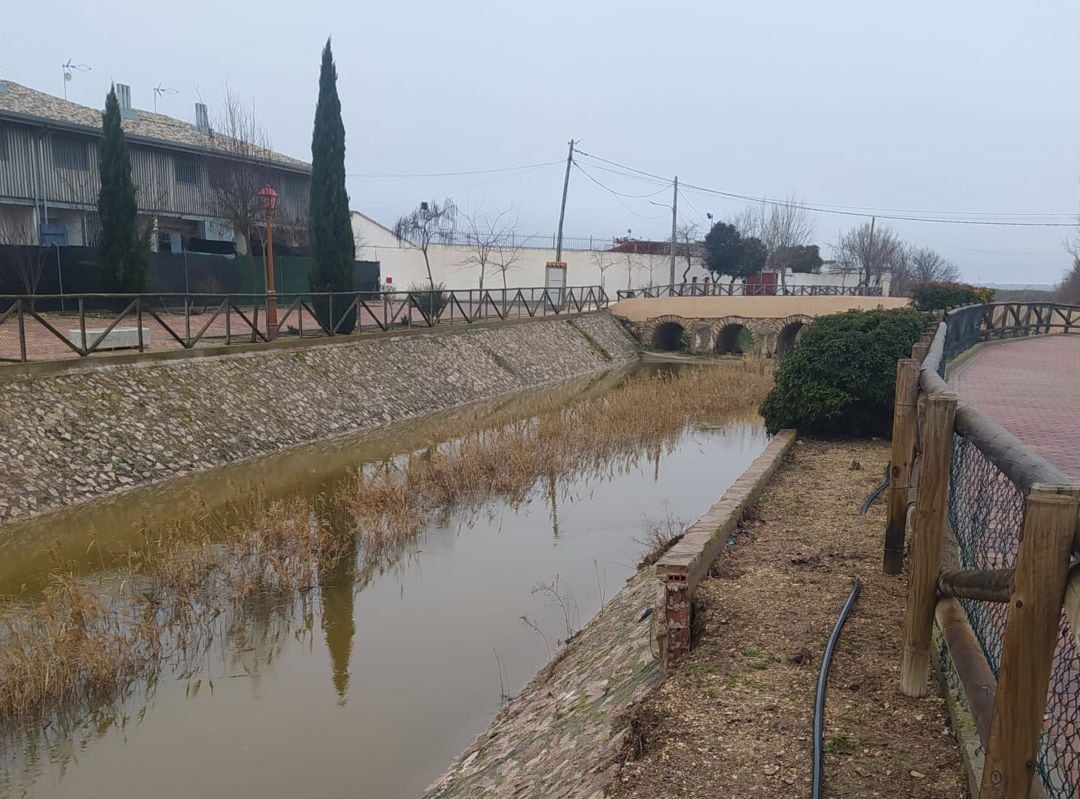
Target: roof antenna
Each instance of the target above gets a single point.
(160, 91)
(70, 68)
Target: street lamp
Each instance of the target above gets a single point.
(268, 199)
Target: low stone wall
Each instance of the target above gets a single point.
(684, 565)
(74, 434)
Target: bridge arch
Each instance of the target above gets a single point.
(790, 331)
(734, 336)
(668, 336)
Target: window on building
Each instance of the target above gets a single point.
(69, 152)
(187, 170)
(4, 144)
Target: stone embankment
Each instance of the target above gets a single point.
(564, 735)
(96, 428)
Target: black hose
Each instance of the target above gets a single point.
(875, 493)
(823, 680)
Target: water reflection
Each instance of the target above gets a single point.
(371, 681)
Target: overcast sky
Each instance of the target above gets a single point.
(926, 106)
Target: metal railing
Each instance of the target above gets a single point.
(718, 289)
(80, 325)
(994, 526)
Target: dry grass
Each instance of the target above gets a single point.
(660, 535)
(734, 720)
(171, 588)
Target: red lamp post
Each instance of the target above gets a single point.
(268, 199)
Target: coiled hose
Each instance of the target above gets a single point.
(822, 683)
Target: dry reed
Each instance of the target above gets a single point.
(77, 647)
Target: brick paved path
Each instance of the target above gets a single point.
(1032, 388)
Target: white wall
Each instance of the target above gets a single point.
(405, 265)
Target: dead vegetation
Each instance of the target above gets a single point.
(735, 717)
(90, 638)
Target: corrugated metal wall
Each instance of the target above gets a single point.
(27, 163)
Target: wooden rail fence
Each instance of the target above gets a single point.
(993, 533)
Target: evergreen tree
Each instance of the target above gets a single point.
(328, 213)
(124, 254)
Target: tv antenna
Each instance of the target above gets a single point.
(160, 91)
(69, 69)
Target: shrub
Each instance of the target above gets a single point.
(938, 296)
(429, 301)
(840, 380)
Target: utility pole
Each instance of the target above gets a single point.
(562, 209)
(674, 220)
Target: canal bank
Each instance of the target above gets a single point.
(73, 434)
(371, 679)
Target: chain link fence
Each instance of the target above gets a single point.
(986, 512)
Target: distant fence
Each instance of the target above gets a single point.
(86, 324)
(994, 533)
(76, 270)
(719, 289)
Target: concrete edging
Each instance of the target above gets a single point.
(684, 565)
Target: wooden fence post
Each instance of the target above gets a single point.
(931, 504)
(1031, 632)
(904, 433)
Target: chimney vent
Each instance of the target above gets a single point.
(202, 119)
(123, 96)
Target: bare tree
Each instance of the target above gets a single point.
(928, 266)
(505, 256)
(630, 263)
(871, 254)
(21, 256)
(483, 236)
(1072, 243)
(785, 224)
(776, 225)
(429, 223)
(603, 261)
(687, 245)
(240, 167)
(651, 263)
(1068, 290)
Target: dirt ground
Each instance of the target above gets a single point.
(735, 719)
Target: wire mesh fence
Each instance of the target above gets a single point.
(986, 512)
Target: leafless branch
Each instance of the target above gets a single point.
(429, 223)
(483, 236)
(20, 255)
(241, 169)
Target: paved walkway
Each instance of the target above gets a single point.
(1032, 388)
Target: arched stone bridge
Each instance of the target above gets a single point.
(768, 326)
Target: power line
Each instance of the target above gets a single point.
(906, 215)
(693, 207)
(618, 195)
(451, 174)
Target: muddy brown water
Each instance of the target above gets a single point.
(364, 689)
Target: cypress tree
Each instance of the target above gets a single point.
(332, 244)
(124, 256)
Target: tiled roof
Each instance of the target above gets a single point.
(31, 104)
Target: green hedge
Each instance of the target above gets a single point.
(938, 296)
(840, 379)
